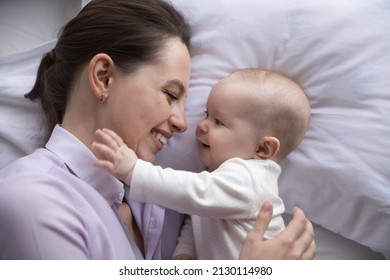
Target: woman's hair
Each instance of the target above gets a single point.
(131, 32)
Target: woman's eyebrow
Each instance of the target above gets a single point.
(178, 83)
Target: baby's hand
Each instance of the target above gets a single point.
(113, 154)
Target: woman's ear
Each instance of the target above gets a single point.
(100, 72)
(268, 148)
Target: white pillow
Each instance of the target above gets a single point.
(28, 29)
(26, 24)
(21, 121)
(339, 52)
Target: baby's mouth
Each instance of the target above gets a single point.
(203, 145)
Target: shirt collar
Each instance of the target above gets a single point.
(79, 159)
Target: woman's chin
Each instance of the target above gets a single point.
(150, 157)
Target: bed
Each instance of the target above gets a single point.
(339, 51)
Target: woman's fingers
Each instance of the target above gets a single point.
(308, 238)
(301, 236)
(255, 247)
(296, 241)
(263, 219)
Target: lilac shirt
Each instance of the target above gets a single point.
(54, 204)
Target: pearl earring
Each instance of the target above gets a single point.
(103, 97)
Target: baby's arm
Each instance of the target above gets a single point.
(226, 193)
(114, 155)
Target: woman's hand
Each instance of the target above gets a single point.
(295, 242)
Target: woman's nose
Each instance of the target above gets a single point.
(178, 121)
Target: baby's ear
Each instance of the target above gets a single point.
(268, 147)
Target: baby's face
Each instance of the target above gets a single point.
(227, 131)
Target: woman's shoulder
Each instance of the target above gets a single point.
(39, 163)
(37, 184)
(37, 198)
(35, 176)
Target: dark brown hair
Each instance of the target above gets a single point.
(131, 32)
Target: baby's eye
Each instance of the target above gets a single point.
(171, 96)
(206, 113)
(218, 122)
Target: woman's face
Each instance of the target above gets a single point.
(147, 107)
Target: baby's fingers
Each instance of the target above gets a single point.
(103, 151)
(105, 138)
(113, 137)
(104, 164)
(104, 156)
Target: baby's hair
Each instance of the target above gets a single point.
(287, 106)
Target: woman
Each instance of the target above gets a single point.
(123, 65)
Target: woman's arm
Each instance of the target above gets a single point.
(295, 242)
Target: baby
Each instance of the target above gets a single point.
(254, 119)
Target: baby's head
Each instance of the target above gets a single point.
(253, 114)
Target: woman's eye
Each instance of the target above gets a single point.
(171, 96)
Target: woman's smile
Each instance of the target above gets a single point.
(159, 139)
